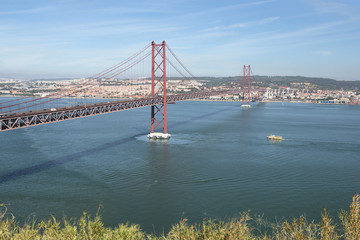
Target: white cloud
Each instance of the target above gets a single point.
(225, 8)
(324, 53)
(331, 7)
(303, 35)
(124, 10)
(254, 23)
(27, 11)
(241, 5)
(243, 25)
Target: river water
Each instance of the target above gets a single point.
(217, 164)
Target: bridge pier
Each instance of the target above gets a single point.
(246, 80)
(158, 87)
(159, 135)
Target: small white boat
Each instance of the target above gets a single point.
(274, 137)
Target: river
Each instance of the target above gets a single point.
(217, 164)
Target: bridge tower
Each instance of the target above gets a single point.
(246, 83)
(158, 88)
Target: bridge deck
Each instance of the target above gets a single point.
(38, 117)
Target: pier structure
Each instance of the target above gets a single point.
(246, 83)
(158, 87)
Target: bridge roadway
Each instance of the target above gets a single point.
(38, 117)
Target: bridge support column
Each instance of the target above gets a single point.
(246, 81)
(158, 87)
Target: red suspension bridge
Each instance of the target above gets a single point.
(30, 111)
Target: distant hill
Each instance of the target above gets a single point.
(315, 83)
(288, 81)
(299, 82)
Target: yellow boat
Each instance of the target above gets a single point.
(274, 137)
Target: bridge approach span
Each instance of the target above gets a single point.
(39, 117)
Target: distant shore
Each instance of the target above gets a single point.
(273, 101)
(212, 100)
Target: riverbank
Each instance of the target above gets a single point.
(272, 101)
(243, 227)
(209, 100)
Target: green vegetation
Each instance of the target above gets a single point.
(298, 82)
(240, 228)
(307, 82)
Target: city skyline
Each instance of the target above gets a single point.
(50, 39)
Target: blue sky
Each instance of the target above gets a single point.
(77, 38)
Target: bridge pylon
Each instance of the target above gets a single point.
(246, 81)
(158, 88)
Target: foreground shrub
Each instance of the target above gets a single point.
(242, 227)
(351, 220)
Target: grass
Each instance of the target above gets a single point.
(243, 227)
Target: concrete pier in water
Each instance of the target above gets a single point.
(159, 135)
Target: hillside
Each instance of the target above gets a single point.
(287, 81)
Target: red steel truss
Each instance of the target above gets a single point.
(17, 114)
(39, 117)
(158, 86)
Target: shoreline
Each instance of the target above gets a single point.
(210, 100)
(271, 101)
